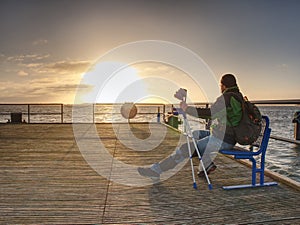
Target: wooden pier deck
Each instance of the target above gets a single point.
(44, 179)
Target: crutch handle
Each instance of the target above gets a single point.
(181, 94)
(182, 112)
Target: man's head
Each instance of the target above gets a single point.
(227, 81)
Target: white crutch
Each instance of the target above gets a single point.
(181, 95)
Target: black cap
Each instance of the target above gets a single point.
(228, 80)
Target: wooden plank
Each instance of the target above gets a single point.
(44, 179)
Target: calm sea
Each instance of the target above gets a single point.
(282, 157)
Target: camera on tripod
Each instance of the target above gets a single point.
(181, 94)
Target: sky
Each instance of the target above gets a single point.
(51, 49)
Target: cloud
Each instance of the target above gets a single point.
(22, 73)
(66, 67)
(25, 58)
(41, 90)
(40, 57)
(40, 64)
(283, 66)
(2, 58)
(49, 81)
(68, 87)
(40, 42)
(34, 65)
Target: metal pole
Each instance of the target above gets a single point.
(93, 112)
(62, 113)
(188, 129)
(28, 112)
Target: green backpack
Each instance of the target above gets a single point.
(249, 128)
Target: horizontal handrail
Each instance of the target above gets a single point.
(280, 102)
(285, 139)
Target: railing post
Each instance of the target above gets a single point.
(28, 112)
(93, 112)
(207, 121)
(62, 113)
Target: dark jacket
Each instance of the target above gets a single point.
(225, 112)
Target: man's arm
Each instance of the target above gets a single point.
(203, 113)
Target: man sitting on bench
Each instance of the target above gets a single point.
(221, 135)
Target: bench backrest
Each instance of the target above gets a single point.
(262, 142)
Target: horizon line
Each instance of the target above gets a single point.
(265, 101)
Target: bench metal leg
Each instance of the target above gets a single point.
(254, 184)
(254, 170)
(249, 186)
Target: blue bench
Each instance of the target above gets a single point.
(258, 150)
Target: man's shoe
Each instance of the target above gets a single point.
(212, 167)
(147, 172)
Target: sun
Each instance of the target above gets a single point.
(112, 82)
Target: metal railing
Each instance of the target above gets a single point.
(60, 113)
(29, 110)
(278, 102)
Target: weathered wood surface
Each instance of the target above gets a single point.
(44, 179)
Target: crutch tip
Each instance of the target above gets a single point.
(210, 187)
(195, 185)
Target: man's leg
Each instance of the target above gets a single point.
(199, 134)
(169, 163)
(211, 150)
